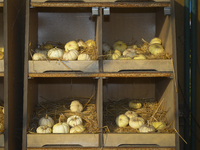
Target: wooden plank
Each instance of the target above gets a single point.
(1, 140)
(120, 4)
(1, 66)
(124, 74)
(46, 140)
(139, 140)
(104, 148)
(67, 66)
(137, 65)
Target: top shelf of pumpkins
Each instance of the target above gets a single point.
(72, 50)
(120, 50)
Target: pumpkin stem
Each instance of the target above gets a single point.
(46, 116)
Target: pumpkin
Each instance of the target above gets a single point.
(129, 53)
(91, 43)
(71, 55)
(2, 49)
(1, 55)
(158, 125)
(39, 56)
(77, 129)
(47, 46)
(1, 128)
(140, 57)
(116, 54)
(131, 114)
(146, 128)
(136, 122)
(76, 106)
(74, 121)
(46, 121)
(105, 47)
(122, 120)
(134, 105)
(81, 44)
(145, 46)
(43, 129)
(155, 40)
(41, 50)
(55, 53)
(71, 45)
(61, 127)
(124, 58)
(84, 57)
(120, 45)
(156, 49)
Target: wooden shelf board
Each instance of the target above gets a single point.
(124, 74)
(117, 4)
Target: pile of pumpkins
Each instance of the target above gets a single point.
(1, 53)
(73, 124)
(132, 119)
(121, 51)
(70, 52)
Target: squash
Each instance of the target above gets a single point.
(140, 57)
(146, 128)
(71, 55)
(155, 40)
(46, 121)
(131, 114)
(156, 49)
(120, 45)
(61, 127)
(134, 105)
(136, 122)
(76, 106)
(129, 53)
(77, 129)
(158, 125)
(39, 56)
(84, 57)
(55, 53)
(74, 121)
(122, 120)
(71, 45)
(43, 129)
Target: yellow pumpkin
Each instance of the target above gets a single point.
(156, 40)
(120, 45)
(156, 49)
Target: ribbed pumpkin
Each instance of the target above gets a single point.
(71, 55)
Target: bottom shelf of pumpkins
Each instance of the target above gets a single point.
(75, 126)
(142, 120)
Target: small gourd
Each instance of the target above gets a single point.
(1, 128)
(43, 129)
(47, 46)
(74, 121)
(77, 129)
(61, 127)
(71, 55)
(41, 50)
(39, 56)
(46, 121)
(140, 57)
(55, 53)
(116, 54)
(81, 44)
(120, 45)
(105, 47)
(158, 125)
(124, 58)
(131, 114)
(1, 55)
(156, 49)
(76, 106)
(135, 105)
(90, 43)
(136, 122)
(129, 53)
(155, 40)
(84, 57)
(122, 120)
(71, 45)
(146, 128)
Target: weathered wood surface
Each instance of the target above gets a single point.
(1, 66)
(83, 140)
(139, 140)
(137, 65)
(1, 140)
(104, 148)
(68, 66)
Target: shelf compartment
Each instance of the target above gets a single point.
(61, 25)
(119, 92)
(2, 103)
(133, 25)
(57, 89)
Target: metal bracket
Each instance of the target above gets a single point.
(106, 11)
(95, 11)
(167, 10)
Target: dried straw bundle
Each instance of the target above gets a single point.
(92, 51)
(55, 109)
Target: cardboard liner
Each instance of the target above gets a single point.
(62, 140)
(162, 65)
(63, 66)
(139, 140)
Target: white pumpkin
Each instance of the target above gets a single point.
(61, 127)
(136, 122)
(155, 40)
(124, 58)
(77, 129)
(71, 55)
(158, 125)
(84, 57)
(74, 121)
(120, 45)
(71, 45)
(46, 121)
(55, 53)
(76, 106)
(156, 49)
(145, 128)
(39, 56)
(122, 120)
(131, 114)
(41, 50)
(81, 44)
(105, 47)
(129, 53)
(43, 129)
(135, 105)
(140, 57)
